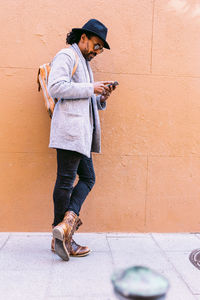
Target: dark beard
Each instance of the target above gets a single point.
(88, 57)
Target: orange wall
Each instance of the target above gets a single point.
(148, 175)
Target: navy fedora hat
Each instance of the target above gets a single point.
(96, 27)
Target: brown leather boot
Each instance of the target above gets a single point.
(78, 223)
(62, 233)
(75, 249)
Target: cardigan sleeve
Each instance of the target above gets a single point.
(101, 106)
(60, 85)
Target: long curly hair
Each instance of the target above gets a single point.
(75, 36)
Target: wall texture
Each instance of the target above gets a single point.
(148, 174)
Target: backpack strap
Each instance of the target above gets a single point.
(76, 57)
(76, 64)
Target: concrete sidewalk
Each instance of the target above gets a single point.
(29, 270)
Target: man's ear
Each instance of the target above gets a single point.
(83, 37)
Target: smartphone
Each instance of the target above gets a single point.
(113, 84)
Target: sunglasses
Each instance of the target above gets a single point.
(98, 47)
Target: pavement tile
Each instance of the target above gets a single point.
(187, 271)
(178, 289)
(31, 234)
(177, 241)
(127, 234)
(158, 262)
(154, 260)
(17, 285)
(3, 239)
(82, 277)
(197, 235)
(95, 241)
(133, 244)
(143, 251)
(83, 298)
(26, 252)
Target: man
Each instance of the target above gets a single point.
(75, 129)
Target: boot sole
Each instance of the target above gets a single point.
(61, 250)
(80, 255)
(58, 233)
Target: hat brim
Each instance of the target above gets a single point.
(85, 30)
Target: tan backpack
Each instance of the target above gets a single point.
(42, 80)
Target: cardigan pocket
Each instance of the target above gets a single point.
(69, 126)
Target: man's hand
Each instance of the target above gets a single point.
(107, 93)
(101, 87)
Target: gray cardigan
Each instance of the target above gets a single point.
(75, 123)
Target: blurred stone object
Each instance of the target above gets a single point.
(139, 282)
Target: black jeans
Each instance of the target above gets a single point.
(66, 196)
